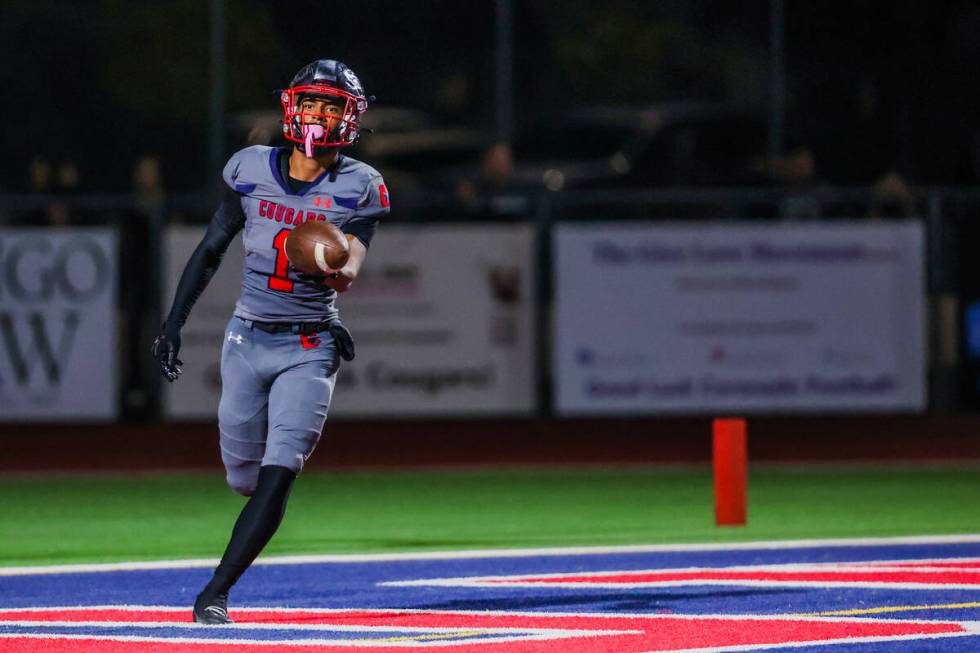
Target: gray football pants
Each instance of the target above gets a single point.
(275, 393)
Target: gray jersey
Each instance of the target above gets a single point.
(352, 197)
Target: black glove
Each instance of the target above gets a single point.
(165, 349)
(343, 339)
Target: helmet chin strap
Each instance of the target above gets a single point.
(311, 132)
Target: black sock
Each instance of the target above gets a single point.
(256, 524)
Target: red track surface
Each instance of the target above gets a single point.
(500, 441)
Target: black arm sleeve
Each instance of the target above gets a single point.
(362, 228)
(228, 220)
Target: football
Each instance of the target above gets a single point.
(317, 248)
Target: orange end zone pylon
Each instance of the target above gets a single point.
(730, 457)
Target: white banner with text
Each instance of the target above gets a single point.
(58, 353)
(442, 318)
(656, 318)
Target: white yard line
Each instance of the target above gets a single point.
(495, 553)
(971, 626)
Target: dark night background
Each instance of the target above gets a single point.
(871, 86)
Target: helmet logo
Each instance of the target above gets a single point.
(353, 80)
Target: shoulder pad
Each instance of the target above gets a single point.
(240, 173)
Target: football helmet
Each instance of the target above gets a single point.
(334, 82)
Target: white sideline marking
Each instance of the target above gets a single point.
(909, 566)
(501, 640)
(972, 626)
(688, 583)
(823, 642)
(289, 643)
(342, 558)
(421, 630)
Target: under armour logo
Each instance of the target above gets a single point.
(235, 338)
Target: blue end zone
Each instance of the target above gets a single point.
(355, 585)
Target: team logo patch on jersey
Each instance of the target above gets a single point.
(129, 629)
(310, 341)
(383, 194)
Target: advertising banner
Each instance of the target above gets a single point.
(58, 358)
(680, 318)
(442, 317)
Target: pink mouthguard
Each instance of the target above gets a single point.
(311, 133)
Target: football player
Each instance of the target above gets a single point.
(280, 354)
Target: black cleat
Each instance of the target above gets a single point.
(211, 610)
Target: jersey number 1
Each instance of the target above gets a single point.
(279, 279)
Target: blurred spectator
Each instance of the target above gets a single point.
(796, 172)
(68, 177)
(41, 177)
(891, 197)
(487, 194)
(148, 183)
(498, 165)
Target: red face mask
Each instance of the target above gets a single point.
(321, 129)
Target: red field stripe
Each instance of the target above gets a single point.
(90, 614)
(30, 645)
(656, 634)
(842, 576)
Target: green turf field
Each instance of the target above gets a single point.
(85, 518)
